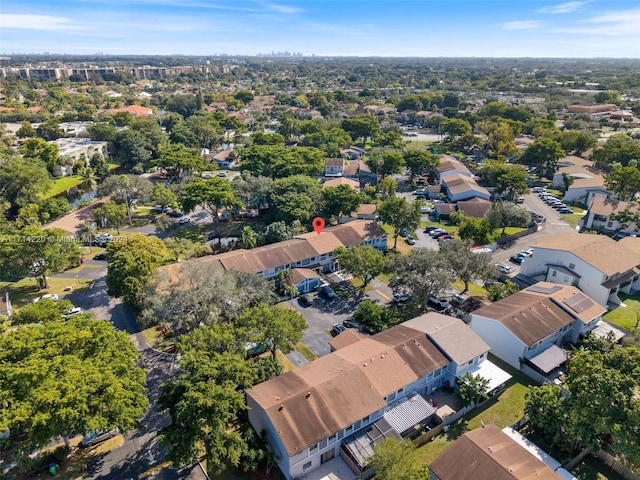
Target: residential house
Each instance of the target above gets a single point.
(309, 251)
(333, 167)
(226, 159)
(358, 169)
(476, 207)
(444, 210)
(353, 152)
(450, 166)
(596, 264)
(367, 211)
(584, 190)
(334, 182)
(528, 329)
(331, 408)
(462, 187)
(5, 304)
(73, 150)
(135, 110)
(487, 453)
(600, 213)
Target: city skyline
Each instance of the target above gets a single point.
(459, 28)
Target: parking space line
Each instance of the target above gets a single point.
(383, 295)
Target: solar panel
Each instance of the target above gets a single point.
(545, 290)
(578, 302)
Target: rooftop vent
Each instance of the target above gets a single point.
(307, 395)
(280, 408)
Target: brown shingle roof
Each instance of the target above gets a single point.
(458, 183)
(529, 316)
(600, 251)
(334, 182)
(352, 169)
(476, 207)
(448, 163)
(565, 293)
(334, 162)
(344, 386)
(605, 206)
(487, 453)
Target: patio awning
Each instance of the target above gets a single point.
(603, 329)
(409, 413)
(491, 372)
(550, 359)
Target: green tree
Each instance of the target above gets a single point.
(499, 290)
(507, 214)
(88, 177)
(472, 389)
(339, 201)
(178, 161)
(618, 149)
(26, 130)
(387, 187)
(465, 263)
(478, 230)
(212, 195)
(179, 247)
(277, 232)
(452, 128)
(361, 261)
(114, 213)
(60, 377)
(510, 180)
(131, 265)
(43, 311)
(37, 252)
(362, 126)
(418, 161)
(99, 166)
(397, 460)
(126, 189)
(386, 163)
(163, 196)
(400, 214)
(249, 238)
(22, 181)
(623, 181)
(295, 198)
(375, 318)
(38, 148)
(546, 406)
(543, 154)
(423, 272)
(279, 328)
(102, 132)
(499, 136)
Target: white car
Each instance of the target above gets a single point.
(184, 220)
(72, 312)
(503, 268)
(50, 296)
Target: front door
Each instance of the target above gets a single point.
(328, 455)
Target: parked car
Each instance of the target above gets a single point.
(425, 210)
(430, 228)
(409, 241)
(403, 232)
(526, 253)
(327, 292)
(351, 324)
(565, 210)
(50, 296)
(438, 303)
(446, 236)
(176, 213)
(158, 208)
(503, 268)
(305, 300)
(184, 220)
(104, 238)
(100, 256)
(98, 437)
(437, 232)
(74, 311)
(520, 200)
(517, 259)
(222, 174)
(337, 329)
(401, 297)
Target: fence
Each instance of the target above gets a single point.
(616, 465)
(510, 238)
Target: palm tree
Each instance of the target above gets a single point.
(249, 238)
(89, 230)
(89, 179)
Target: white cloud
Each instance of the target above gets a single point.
(619, 23)
(36, 22)
(521, 25)
(283, 8)
(562, 8)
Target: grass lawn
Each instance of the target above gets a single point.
(25, 290)
(62, 184)
(592, 469)
(306, 352)
(152, 334)
(572, 218)
(475, 290)
(451, 229)
(513, 230)
(401, 247)
(502, 412)
(287, 365)
(626, 315)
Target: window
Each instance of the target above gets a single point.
(554, 273)
(365, 420)
(332, 438)
(313, 449)
(306, 465)
(572, 266)
(348, 430)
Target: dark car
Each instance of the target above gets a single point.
(337, 329)
(100, 256)
(438, 232)
(430, 228)
(176, 213)
(305, 300)
(403, 232)
(327, 292)
(409, 241)
(517, 259)
(351, 324)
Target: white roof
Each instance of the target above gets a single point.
(491, 372)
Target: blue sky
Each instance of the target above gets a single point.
(423, 28)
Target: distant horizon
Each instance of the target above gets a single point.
(326, 28)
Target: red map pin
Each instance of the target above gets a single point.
(318, 224)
